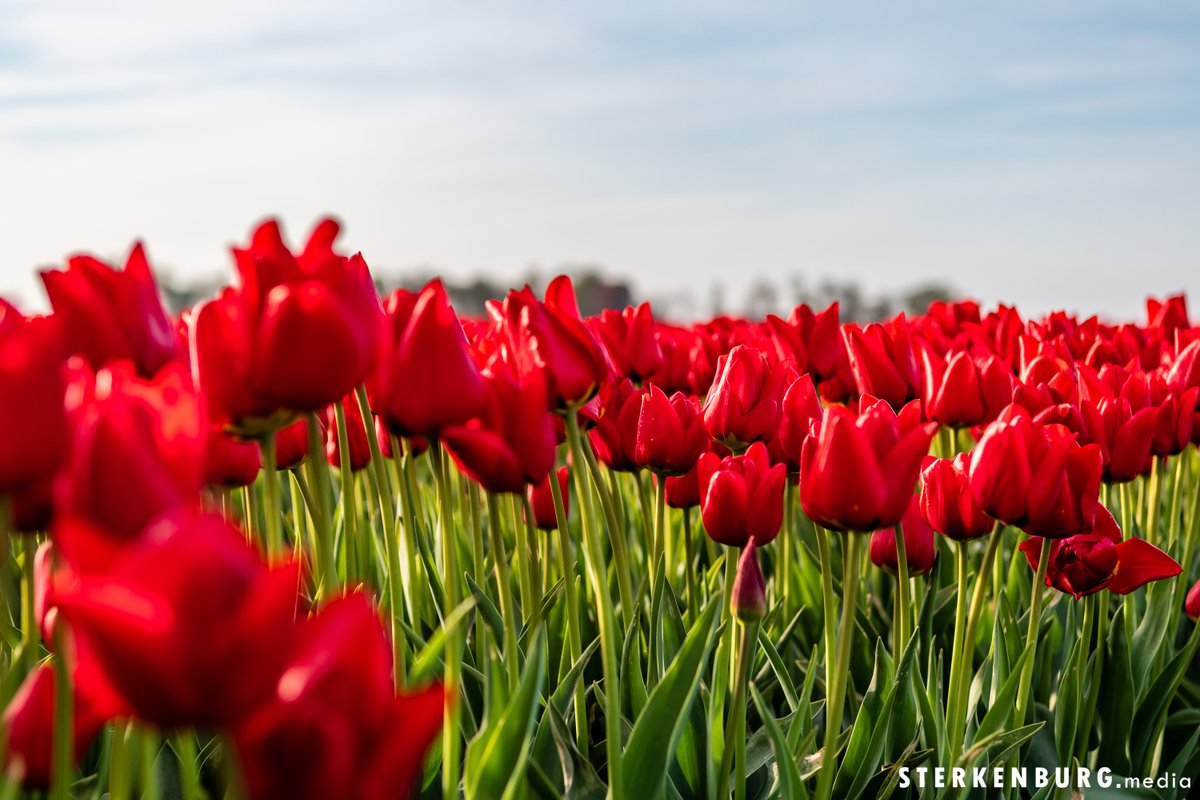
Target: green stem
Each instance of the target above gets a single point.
(1093, 694)
(617, 534)
(351, 546)
(413, 596)
(958, 723)
(274, 498)
(120, 778)
(657, 569)
(829, 602)
(610, 645)
(453, 652)
(783, 579)
(836, 698)
(954, 715)
(1154, 496)
(1035, 615)
(324, 556)
(30, 631)
(149, 775)
(688, 577)
(504, 592)
(902, 587)
(735, 736)
(63, 759)
(189, 773)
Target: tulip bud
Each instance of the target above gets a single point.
(920, 547)
(1192, 604)
(748, 600)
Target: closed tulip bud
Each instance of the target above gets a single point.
(920, 546)
(684, 491)
(628, 337)
(741, 497)
(1100, 559)
(748, 599)
(112, 316)
(541, 499)
(429, 350)
(670, 433)
(882, 361)
(291, 445)
(33, 418)
(1192, 604)
(857, 471)
(947, 503)
(801, 410)
(188, 624)
(745, 401)
(228, 462)
(963, 392)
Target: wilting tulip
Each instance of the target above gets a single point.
(332, 725)
(748, 598)
(33, 419)
(229, 462)
(1035, 477)
(1099, 559)
(741, 497)
(744, 404)
(670, 433)
(356, 435)
(541, 499)
(801, 410)
(615, 412)
(512, 443)
(299, 332)
(188, 625)
(947, 503)
(628, 337)
(427, 380)
(113, 316)
(858, 471)
(551, 336)
(920, 545)
(882, 361)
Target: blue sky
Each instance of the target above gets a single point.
(1046, 154)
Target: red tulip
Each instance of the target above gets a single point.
(615, 414)
(857, 471)
(628, 338)
(670, 432)
(744, 404)
(138, 451)
(741, 497)
(748, 598)
(1035, 477)
(684, 491)
(882, 361)
(1191, 605)
(801, 410)
(920, 546)
(1123, 431)
(112, 316)
(947, 503)
(551, 336)
(33, 420)
(299, 332)
(427, 380)
(512, 443)
(356, 435)
(1099, 559)
(333, 725)
(229, 462)
(964, 392)
(188, 625)
(542, 500)
(291, 445)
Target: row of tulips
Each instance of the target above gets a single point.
(302, 541)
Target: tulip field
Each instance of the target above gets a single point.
(305, 541)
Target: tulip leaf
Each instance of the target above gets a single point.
(494, 766)
(428, 662)
(656, 731)
(632, 681)
(780, 669)
(560, 701)
(1151, 713)
(486, 607)
(1115, 704)
(997, 716)
(790, 783)
(1150, 636)
(1008, 741)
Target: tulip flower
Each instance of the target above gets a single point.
(882, 361)
(112, 316)
(947, 503)
(356, 435)
(628, 338)
(551, 336)
(1191, 604)
(741, 497)
(298, 333)
(801, 410)
(744, 404)
(615, 413)
(963, 392)
(541, 499)
(748, 598)
(670, 433)
(291, 445)
(332, 725)
(1124, 435)
(1100, 559)
(512, 443)
(684, 491)
(229, 462)
(33, 419)
(188, 625)
(857, 471)
(427, 349)
(920, 547)
(1035, 477)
